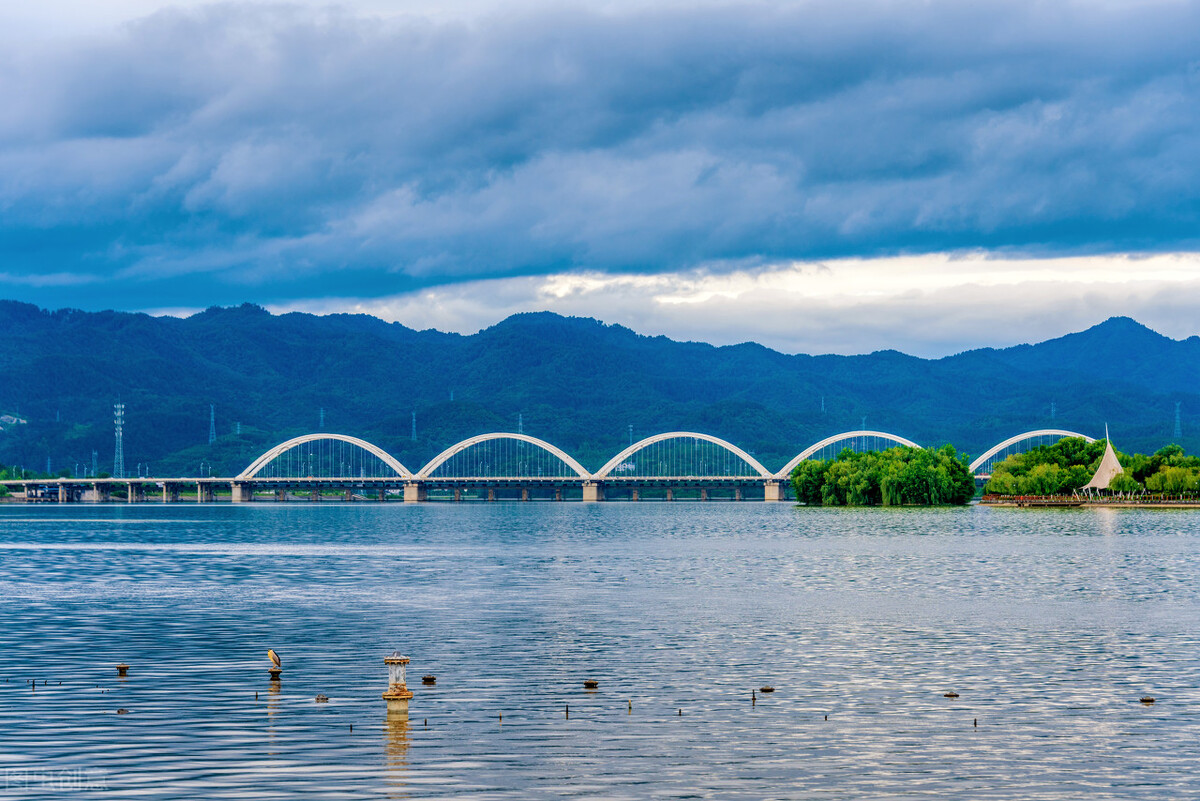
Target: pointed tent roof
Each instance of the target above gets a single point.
(1109, 467)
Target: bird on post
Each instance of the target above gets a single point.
(275, 660)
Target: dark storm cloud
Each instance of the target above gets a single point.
(267, 153)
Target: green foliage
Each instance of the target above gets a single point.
(898, 476)
(1064, 467)
(1123, 482)
(1174, 480)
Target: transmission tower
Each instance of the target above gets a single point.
(414, 427)
(95, 462)
(520, 423)
(119, 443)
(237, 428)
(212, 424)
(1178, 425)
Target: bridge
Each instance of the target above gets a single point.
(671, 466)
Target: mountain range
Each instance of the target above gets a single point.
(576, 382)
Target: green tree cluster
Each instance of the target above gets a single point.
(900, 476)
(1067, 465)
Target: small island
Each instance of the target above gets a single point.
(900, 476)
(1074, 471)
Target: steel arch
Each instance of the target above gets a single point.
(437, 461)
(637, 446)
(1045, 432)
(811, 449)
(258, 464)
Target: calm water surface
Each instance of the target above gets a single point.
(1049, 624)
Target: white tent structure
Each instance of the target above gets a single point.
(1109, 468)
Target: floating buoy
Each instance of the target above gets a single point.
(429, 679)
(590, 684)
(122, 711)
(1147, 699)
(322, 699)
(767, 689)
(950, 694)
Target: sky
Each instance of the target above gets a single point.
(822, 177)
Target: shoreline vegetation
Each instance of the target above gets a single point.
(1059, 470)
(900, 476)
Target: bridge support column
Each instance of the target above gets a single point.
(64, 493)
(703, 494)
(242, 492)
(772, 491)
(315, 495)
(558, 493)
(349, 494)
(593, 492)
(491, 493)
(524, 493)
(97, 494)
(131, 492)
(737, 493)
(170, 493)
(414, 492)
(204, 493)
(281, 495)
(383, 494)
(458, 493)
(633, 494)
(670, 494)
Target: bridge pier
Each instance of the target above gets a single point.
(737, 493)
(703, 494)
(242, 492)
(491, 493)
(281, 495)
(524, 493)
(772, 491)
(315, 495)
(593, 492)
(64, 493)
(558, 493)
(414, 492)
(170, 492)
(633, 494)
(457, 494)
(383, 494)
(670, 494)
(204, 492)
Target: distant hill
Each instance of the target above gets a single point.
(575, 382)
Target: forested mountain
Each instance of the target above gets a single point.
(575, 382)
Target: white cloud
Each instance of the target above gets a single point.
(924, 305)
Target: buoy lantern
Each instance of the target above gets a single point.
(397, 694)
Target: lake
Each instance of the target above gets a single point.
(1049, 625)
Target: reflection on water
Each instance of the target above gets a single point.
(396, 754)
(1048, 624)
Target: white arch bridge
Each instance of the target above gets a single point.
(503, 466)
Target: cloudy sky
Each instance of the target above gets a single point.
(817, 176)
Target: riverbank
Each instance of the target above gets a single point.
(1073, 501)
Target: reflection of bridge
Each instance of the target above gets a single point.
(679, 464)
